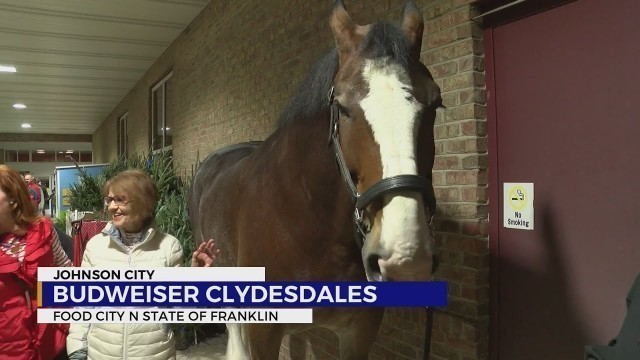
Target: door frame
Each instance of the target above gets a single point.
(490, 22)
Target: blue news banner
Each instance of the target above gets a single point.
(243, 294)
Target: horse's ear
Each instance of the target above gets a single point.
(344, 30)
(413, 26)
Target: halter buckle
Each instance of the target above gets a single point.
(360, 233)
(358, 216)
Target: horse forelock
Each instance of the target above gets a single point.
(386, 41)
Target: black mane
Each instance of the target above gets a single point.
(312, 94)
(384, 40)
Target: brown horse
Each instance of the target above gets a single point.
(368, 106)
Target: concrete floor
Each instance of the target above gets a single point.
(210, 349)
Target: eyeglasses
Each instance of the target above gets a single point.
(119, 200)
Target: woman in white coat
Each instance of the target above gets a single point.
(131, 239)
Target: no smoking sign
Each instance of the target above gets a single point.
(518, 205)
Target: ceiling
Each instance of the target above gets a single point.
(76, 59)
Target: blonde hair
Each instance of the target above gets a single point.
(24, 211)
(138, 187)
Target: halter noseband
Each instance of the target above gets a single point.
(383, 187)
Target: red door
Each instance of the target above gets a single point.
(564, 90)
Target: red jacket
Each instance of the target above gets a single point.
(21, 337)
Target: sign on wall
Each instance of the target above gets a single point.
(518, 205)
(66, 197)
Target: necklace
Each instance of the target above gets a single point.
(13, 246)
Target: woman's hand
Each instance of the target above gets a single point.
(204, 255)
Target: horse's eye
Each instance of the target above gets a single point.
(343, 111)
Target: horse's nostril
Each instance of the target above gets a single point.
(373, 263)
(373, 268)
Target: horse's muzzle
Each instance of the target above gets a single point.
(416, 270)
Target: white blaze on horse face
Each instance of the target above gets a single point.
(392, 112)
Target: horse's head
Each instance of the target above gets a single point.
(387, 101)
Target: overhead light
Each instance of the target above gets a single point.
(19, 106)
(7, 68)
(60, 152)
(69, 151)
(25, 126)
(40, 151)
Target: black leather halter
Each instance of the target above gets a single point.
(383, 187)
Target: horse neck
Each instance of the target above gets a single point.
(302, 151)
(308, 201)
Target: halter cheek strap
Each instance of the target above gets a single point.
(383, 187)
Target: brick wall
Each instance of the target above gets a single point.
(234, 69)
(455, 56)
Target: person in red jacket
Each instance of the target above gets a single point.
(27, 241)
(34, 190)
